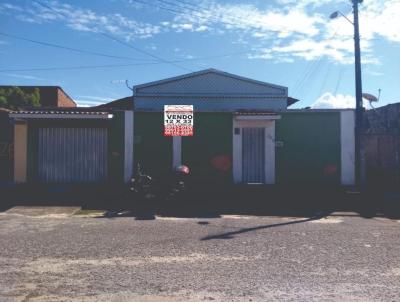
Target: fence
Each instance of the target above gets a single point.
(382, 159)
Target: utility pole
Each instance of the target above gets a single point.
(359, 103)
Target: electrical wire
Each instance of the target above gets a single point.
(176, 10)
(325, 78)
(143, 51)
(122, 42)
(68, 48)
(118, 65)
(339, 80)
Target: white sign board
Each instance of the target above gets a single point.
(178, 120)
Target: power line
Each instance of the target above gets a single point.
(143, 51)
(75, 67)
(172, 10)
(117, 65)
(339, 80)
(216, 18)
(325, 78)
(175, 10)
(198, 13)
(67, 47)
(122, 42)
(311, 69)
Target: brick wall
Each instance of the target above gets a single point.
(63, 100)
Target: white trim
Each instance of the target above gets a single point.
(347, 150)
(61, 116)
(128, 146)
(269, 125)
(176, 151)
(258, 117)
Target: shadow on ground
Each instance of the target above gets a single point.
(208, 202)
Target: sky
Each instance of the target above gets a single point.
(91, 48)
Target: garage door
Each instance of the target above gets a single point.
(68, 155)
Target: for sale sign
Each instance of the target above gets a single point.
(178, 120)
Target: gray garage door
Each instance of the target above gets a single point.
(72, 155)
(253, 152)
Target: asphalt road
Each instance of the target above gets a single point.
(61, 258)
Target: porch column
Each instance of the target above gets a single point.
(128, 139)
(176, 151)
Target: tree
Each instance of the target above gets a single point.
(14, 98)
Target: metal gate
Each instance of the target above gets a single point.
(253, 155)
(67, 155)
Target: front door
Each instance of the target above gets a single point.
(253, 155)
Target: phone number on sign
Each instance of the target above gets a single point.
(178, 130)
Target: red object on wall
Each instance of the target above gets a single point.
(222, 162)
(330, 169)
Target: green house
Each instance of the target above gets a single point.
(244, 133)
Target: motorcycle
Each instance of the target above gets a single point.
(147, 187)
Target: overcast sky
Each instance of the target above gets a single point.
(91, 47)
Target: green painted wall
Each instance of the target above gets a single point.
(152, 149)
(311, 148)
(209, 152)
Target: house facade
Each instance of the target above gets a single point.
(244, 133)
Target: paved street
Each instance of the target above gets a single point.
(231, 258)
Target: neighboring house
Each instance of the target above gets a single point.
(74, 145)
(243, 133)
(50, 96)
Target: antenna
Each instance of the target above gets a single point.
(127, 85)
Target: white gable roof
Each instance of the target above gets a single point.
(209, 82)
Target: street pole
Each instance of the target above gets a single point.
(359, 104)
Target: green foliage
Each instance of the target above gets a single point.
(14, 98)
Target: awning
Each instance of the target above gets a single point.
(61, 114)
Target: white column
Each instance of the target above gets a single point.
(128, 145)
(237, 152)
(176, 151)
(270, 152)
(347, 142)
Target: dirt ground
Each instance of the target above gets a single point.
(340, 257)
